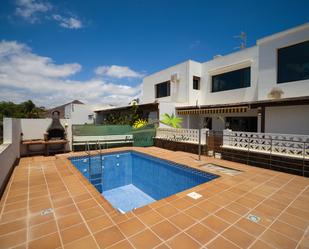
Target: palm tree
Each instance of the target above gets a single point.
(171, 120)
(28, 106)
(30, 110)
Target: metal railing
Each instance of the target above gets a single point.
(99, 148)
(87, 150)
(92, 174)
(101, 161)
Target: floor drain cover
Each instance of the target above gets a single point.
(194, 195)
(253, 218)
(220, 169)
(47, 211)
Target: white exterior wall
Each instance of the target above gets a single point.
(231, 62)
(183, 91)
(267, 50)
(169, 108)
(262, 60)
(194, 96)
(287, 119)
(179, 91)
(68, 111)
(78, 113)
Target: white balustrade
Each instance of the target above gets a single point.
(269, 143)
(182, 135)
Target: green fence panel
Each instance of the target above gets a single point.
(101, 130)
(142, 137)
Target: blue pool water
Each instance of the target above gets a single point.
(130, 180)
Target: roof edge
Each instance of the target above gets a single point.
(283, 33)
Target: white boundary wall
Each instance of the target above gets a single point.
(10, 149)
(182, 135)
(268, 143)
(35, 129)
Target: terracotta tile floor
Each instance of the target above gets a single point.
(82, 218)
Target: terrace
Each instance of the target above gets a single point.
(211, 154)
(48, 203)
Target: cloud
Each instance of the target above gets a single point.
(69, 22)
(26, 75)
(195, 44)
(118, 72)
(11, 48)
(24, 62)
(30, 9)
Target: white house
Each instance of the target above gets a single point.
(79, 114)
(264, 88)
(76, 111)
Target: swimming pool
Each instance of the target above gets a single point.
(129, 180)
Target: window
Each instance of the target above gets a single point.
(196, 82)
(207, 123)
(231, 80)
(163, 89)
(293, 63)
(246, 124)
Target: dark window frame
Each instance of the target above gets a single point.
(168, 89)
(196, 83)
(281, 67)
(207, 123)
(244, 84)
(242, 123)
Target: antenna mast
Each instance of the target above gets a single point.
(243, 40)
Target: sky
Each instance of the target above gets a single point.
(98, 51)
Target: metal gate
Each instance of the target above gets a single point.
(214, 142)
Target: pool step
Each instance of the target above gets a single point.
(95, 176)
(96, 181)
